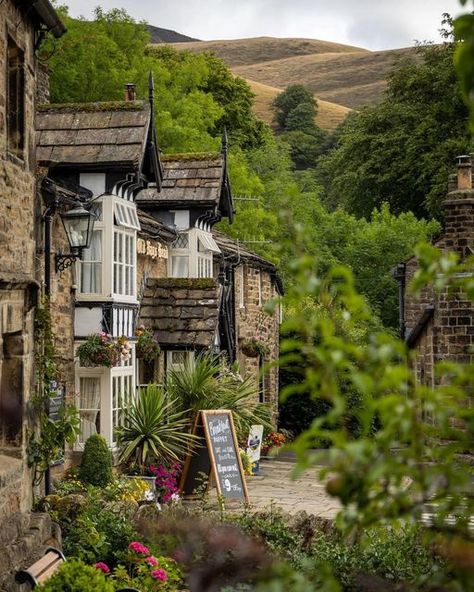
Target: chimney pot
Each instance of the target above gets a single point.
(464, 172)
(130, 92)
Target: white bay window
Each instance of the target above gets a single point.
(108, 266)
(191, 255)
(102, 396)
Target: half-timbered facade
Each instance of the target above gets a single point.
(110, 150)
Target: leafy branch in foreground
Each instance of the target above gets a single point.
(409, 452)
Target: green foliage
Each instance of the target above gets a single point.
(75, 576)
(209, 384)
(464, 57)
(394, 474)
(292, 98)
(47, 438)
(154, 429)
(304, 148)
(96, 462)
(295, 110)
(401, 151)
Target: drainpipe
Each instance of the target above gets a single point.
(398, 273)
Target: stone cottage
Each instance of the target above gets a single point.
(153, 259)
(23, 26)
(440, 326)
(213, 295)
(111, 151)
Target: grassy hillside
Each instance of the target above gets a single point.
(329, 114)
(159, 35)
(244, 52)
(342, 77)
(351, 79)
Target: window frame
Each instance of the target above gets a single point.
(107, 411)
(17, 151)
(109, 229)
(200, 260)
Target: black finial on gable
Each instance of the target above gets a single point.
(151, 89)
(224, 141)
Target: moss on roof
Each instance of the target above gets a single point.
(190, 156)
(93, 107)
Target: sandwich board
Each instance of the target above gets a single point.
(216, 453)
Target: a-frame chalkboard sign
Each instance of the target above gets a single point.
(215, 452)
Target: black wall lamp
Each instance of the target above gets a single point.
(78, 224)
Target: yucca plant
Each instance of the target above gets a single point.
(207, 383)
(155, 429)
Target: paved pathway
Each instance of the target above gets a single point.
(275, 485)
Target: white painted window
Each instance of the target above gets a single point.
(91, 264)
(191, 255)
(108, 268)
(177, 360)
(88, 404)
(102, 396)
(124, 255)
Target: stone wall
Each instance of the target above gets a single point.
(253, 322)
(18, 288)
(449, 334)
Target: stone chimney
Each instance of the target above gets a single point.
(130, 92)
(458, 209)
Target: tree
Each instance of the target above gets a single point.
(293, 96)
(401, 151)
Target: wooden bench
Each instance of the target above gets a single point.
(42, 569)
(45, 567)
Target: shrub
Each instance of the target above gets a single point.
(96, 465)
(76, 576)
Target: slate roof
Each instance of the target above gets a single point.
(112, 133)
(156, 229)
(192, 179)
(181, 312)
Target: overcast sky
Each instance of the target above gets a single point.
(374, 24)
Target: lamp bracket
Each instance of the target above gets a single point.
(64, 260)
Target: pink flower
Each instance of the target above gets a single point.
(152, 561)
(103, 567)
(159, 574)
(139, 548)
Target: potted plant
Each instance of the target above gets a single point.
(154, 431)
(101, 349)
(253, 348)
(147, 347)
(273, 440)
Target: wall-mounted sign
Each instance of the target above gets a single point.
(152, 249)
(216, 452)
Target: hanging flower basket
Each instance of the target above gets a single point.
(101, 349)
(253, 348)
(147, 347)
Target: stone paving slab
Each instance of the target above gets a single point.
(275, 486)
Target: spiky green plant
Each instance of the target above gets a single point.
(207, 383)
(155, 429)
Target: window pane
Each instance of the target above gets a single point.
(89, 406)
(179, 266)
(182, 242)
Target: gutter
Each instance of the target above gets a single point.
(49, 17)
